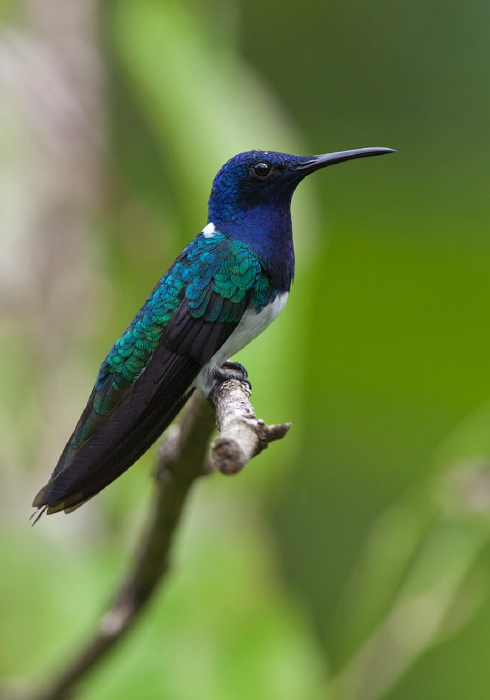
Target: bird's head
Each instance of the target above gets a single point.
(262, 180)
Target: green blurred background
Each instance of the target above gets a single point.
(351, 561)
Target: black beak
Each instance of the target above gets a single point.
(325, 159)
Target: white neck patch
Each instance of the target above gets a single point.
(209, 230)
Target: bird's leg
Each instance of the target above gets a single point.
(220, 376)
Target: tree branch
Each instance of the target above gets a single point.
(181, 460)
(243, 436)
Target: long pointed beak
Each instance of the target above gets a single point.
(325, 159)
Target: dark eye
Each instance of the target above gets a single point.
(261, 170)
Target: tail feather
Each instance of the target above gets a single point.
(146, 409)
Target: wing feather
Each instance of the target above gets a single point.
(149, 372)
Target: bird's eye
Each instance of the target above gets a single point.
(261, 170)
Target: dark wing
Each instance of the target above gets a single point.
(124, 416)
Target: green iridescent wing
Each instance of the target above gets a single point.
(149, 372)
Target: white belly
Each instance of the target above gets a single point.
(251, 325)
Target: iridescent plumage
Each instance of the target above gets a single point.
(227, 285)
(191, 312)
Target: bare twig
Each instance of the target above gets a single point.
(181, 461)
(243, 436)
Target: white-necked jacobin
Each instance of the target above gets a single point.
(224, 289)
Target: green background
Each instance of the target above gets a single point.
(351, 561)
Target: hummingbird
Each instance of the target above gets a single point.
(223, 290)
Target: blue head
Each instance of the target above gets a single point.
(251, 199)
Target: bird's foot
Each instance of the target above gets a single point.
(236, 366)
(220, 376)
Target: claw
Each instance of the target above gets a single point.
(236, 366)
(220, 376)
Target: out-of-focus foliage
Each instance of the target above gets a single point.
(351, 561)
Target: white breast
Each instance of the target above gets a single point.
(251, 325)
